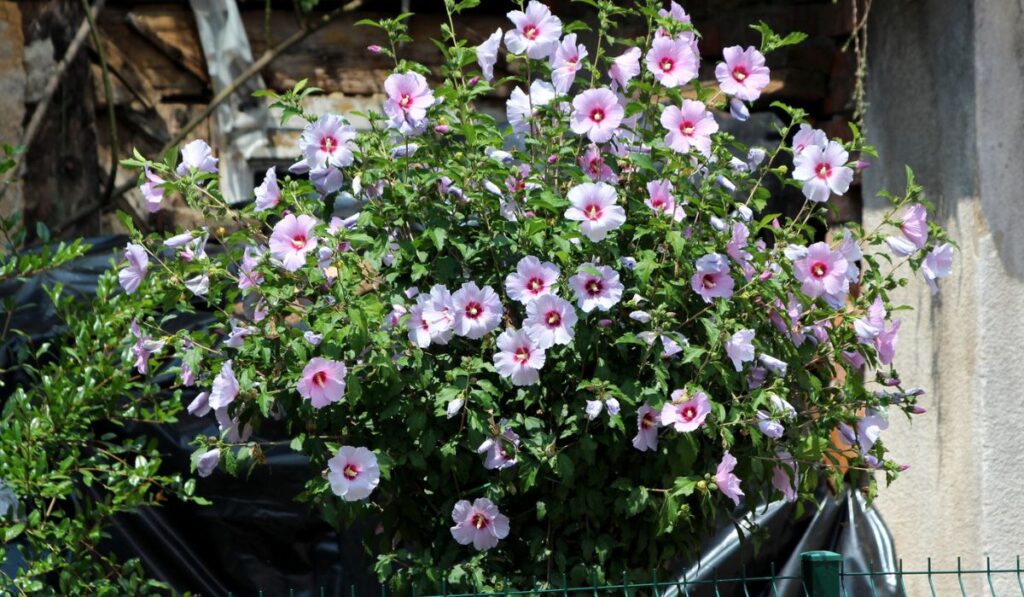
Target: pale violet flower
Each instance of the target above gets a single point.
(914, 232)
(487, 55)
(646, 437)
(712, 279)
(740, 348)
(409, 96)
(152, 191)
(625, 67)
(937, 264)
(328, 142)
(521, 109)
(728, 483)
(132, 275)
(292, 240)
(565, 63)
(196, 156)
(207, 462)
(268, 194)
(822, 271)
(225, 387)
(322, 382)
(500, 451)
(660, 200)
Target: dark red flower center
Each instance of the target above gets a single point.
(350, 471)
(648, 421)
(328, 144)
(823, 171)
(406, 100)
(667, 64)
(688, 413)
(553, 318)
(819, 269)
(522, 355)
(474, 309)
(593, 212)
(535, 285)
(320, 379)
(594, 287)
(597, 114)
(299, 242)
(740, 74)
(686, 127)
(479, 521)
(708, 281)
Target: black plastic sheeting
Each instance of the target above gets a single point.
(256, 537)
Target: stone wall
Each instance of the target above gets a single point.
(945, 89)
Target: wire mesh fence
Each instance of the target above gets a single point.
(822, 574)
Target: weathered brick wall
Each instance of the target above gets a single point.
(160, 79)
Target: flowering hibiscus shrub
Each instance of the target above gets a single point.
(559, 348)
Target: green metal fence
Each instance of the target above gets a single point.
(822, 574)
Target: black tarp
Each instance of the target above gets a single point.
(256, 537)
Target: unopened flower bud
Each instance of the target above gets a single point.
(918, 409)
(766, 275)
(604, 323)
(442, 129)
(552, 158)
(473, 81)
(904, 467)
(862, 165)
(702, 486)
(374, 49)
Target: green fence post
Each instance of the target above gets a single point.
(821, 573)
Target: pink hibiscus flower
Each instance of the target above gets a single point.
(690, 126)
(550, 320)
(727, 482)
(268, 194)
(712, 279)
(806, 137)
(594, 166)
(328, 142)
(594, 205)
(138, 264)
(596, 287)
(152, 191)
(660, 199)
(521, 109)
(565, 63)
(196, 156)
(673, 61)
(914, 229)
(225, 387)
(500, 451)
(536, 31)
(487, 55)
(433, 318)
(646, 437)
(353, 473)
(685, 414)
(743, 74)
(531, 279)
(597, 114)
(480, 523)
(823, 171)
(292, 240)
(740, 348)
(409, 96)
(322, 382)
(625, 67)
(785, 475)
(937, 264)
(822, 271)
(519, 358)
(477, 311)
